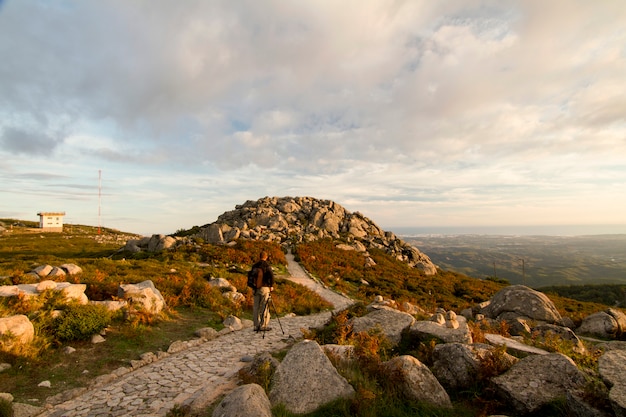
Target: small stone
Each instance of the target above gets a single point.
(45, 384)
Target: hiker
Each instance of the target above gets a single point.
(260, 310)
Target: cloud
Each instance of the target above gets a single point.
(20, 141)
(393, 104)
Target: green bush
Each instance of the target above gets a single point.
(6, 408)
(80, 322)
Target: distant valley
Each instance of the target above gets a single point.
(536, 261)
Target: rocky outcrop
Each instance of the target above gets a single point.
(390, 322)
(520, 301)
(302, 219)
(538, 380)
(306, 380)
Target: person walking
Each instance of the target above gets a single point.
(260, 309)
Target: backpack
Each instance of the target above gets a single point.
(255, 275)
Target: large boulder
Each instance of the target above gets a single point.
(391, 322)
(143, 296)
(458, 366)
(306, 379)
(522, 301)
(16, 330)
(608, 324)
(416, 381)
(612, 369)
(244, 401)
(537, 380)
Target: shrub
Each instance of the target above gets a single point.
(80, 322)
(6, 408)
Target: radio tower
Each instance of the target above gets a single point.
(99, 196)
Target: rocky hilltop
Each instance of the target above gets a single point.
(288, 220)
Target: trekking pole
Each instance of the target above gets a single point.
(271, 302)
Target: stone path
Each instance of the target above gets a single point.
(196, 376)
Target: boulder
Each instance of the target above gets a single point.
(143, 295)
(166, 242)
(46, 285)
(415, 381)
(223, 284)
(522, 301)
(43, 270)
(538, 380)
(427, 329)
(208, 333)
(212, 234)
(73, 291)
(16, 330)
(600, 324)
(72, 269)
(9, 291)
(244, 401)
(132, 246)
(57, 273)
(552, 330)
(306, 379)
(233, 323)
(458, 366)
(391, 322)
(612, 369)
(608, 324)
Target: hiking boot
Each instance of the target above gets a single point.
(257, 329)
(266, 329)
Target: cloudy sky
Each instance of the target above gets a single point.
(415, 113)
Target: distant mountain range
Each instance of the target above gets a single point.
(536, 261)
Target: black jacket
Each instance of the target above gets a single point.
(268, 274)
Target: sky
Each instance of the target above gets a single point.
(153, 116)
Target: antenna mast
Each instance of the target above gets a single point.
(99, 196)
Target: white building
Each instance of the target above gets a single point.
(51, 221)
